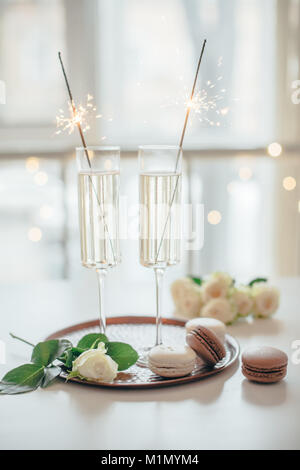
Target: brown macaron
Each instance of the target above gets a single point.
(206, 344)
(264, 364)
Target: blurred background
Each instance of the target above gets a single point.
(137, 59)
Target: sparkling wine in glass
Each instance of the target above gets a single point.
(98, 197)
(160, 217)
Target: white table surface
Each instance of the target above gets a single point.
(222, 412)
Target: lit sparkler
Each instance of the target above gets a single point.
(188, 109)
(76, 120)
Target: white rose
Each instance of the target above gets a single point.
(187, 297)
(216, 286)
(266, 300)
(224, 278)
(95, 364)
(241, 296)
(221, 309)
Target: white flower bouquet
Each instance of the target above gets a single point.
(218, 296)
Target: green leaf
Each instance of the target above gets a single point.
(123, 354)
(46, 352)
(51, 373)
(22, 379)
(67, 359)
(70, 355)
(92, 340)
(197, 280)
(258, 279)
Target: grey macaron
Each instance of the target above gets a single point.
(171, 361)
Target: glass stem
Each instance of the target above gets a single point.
(101, 275)
(159, 275)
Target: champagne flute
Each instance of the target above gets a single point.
(160, 217)
(98, 197)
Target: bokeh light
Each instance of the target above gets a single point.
(245, 173)
(274, 149)
(232, 187)
(46, 211)
(41, 178)
(32, 164)
(214, 217)
(289, 183)
(34, 234)
(224, 111)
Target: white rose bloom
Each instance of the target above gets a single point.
(241, 296)
(224, 278)
(187, 297)
(95, 364)
(221, 309)
(216, 286)
(266, 300)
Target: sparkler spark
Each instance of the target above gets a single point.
(206, 103)
(83, 116)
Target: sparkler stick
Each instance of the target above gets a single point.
(191, 100)
(78, 124)
(180, 148)
(74, 110)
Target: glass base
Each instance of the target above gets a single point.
(143, 357)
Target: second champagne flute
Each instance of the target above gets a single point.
(160, 217)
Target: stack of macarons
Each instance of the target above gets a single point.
(205, 338)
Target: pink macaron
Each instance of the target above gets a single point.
(264, 364)
(206, 344)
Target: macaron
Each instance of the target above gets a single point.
(171, 361)
(217, 326)
(264, 364)
(206, 344)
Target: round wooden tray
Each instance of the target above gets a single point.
(139, 331)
